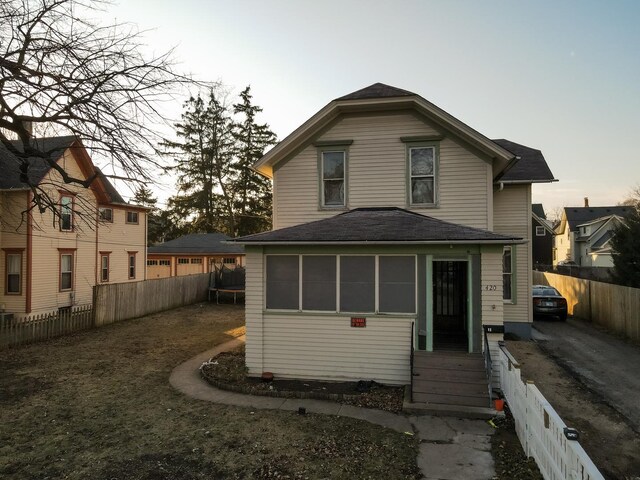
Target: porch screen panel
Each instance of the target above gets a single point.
(357, 283)
(319, 282)
(397, 280)
(283, 282)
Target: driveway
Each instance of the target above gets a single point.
(606, 364)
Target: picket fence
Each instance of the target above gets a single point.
(18, 331)
(541, 430)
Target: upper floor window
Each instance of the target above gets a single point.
(422, 175)
(540, 232)
(14, 273)
(333, 178)
(106, 214)
(66, 212)
(132, 217)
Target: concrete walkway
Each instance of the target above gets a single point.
(450, 448)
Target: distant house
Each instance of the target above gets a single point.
(584, 234)
(52, 261)
(400, 233)
(192, 254)
(541, 237)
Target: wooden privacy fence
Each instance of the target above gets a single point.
(614, 307)
(541, 430)
(19, 331)
(122, 301)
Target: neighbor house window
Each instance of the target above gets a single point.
(319, 282)
(397, 284)
(166, 263)
(229, 260)
(106, 214)
(333, 178)
(132, 217)
(358, 283)
(196, 261)
(104, 266)
(540, 232)
(66, 212)
(13, 262)
(422, 175)
(507, 274)
(66, 271)
(183, 261)
(283, 282)
(152, 263)
(132, 265)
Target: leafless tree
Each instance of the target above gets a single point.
(62, 73)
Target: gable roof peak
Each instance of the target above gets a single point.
(377, 90)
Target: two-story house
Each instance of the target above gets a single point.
(48, 261)
(584, 233)
(396, 227)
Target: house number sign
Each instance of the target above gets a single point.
(490, 288)
(358, 322)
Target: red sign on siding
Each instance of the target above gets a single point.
(358, 322)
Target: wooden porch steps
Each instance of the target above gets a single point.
(450, 379)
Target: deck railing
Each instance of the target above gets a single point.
(542, 433)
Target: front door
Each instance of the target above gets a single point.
(450, 326)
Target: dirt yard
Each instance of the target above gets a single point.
(605, 435)
(98, 405)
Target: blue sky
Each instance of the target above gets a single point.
(561, 76)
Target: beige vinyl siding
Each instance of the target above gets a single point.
(13, 235)
(492, 304)
(328, 348)
(120, 238)
(254, 283)
(512, 215)
(377, 173)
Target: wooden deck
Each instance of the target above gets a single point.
(450, 378)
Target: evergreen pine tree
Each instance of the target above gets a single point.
(253, 197)
(143, 196)
(626, 247)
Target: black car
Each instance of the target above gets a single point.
(547, 301)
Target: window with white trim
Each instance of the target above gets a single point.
(422, 175)
(540, 231)
(507, 274)
(333, 178)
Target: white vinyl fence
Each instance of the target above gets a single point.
(541, 430)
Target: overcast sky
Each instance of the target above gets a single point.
(561, 76)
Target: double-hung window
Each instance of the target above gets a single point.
(104, 266)
(132, 217)
(106, 214)
(14, 273)
(132, 265)
(422, 174)
(507, 274)
(66, 212)
(66, 271)
(333, 164)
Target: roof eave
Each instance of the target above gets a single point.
(521, 182)
(300, 135)
(512, 241)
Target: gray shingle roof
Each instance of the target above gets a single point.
(38, 167)
(11, 178)
(538, 209)
(377, 225)
(579, 215)
(208, 243)
(377, 90)
(602, 240)
(531, 167)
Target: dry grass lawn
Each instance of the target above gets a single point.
(98, 405)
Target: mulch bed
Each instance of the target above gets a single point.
(227, 371)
